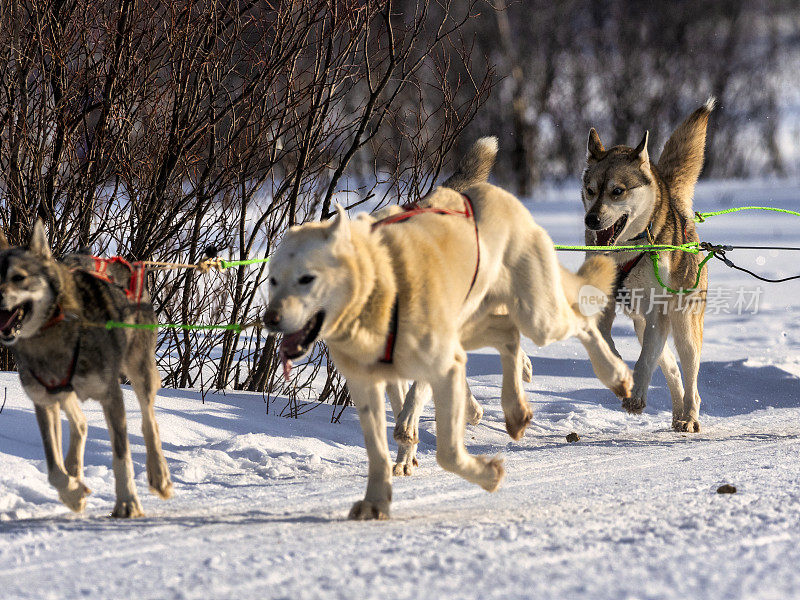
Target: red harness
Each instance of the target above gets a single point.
(411, 210)
(136, 281)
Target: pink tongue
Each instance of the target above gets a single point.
(7, 317)
(288, 342)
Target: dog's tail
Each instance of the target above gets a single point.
(600, 272)
(682, 159)
(476, 165)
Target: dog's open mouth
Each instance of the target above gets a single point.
(297, 344)
(607, 237)
(11, 321)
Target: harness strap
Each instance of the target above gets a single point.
(136, 282)
(65, 385)
(410, 210)
(391, 338)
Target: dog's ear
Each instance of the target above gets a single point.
(594, 147)
(4, 245)
(39, 243)
(640, 152)
(340, 227)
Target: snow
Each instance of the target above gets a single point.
(629, 511)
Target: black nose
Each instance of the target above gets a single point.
(592, 221)
(272, 318)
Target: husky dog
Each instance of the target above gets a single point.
(394, 301)
(48, 317)
(630, 200)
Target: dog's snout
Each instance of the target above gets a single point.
(592, 221)
(272, 318)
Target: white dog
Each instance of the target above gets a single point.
(393, 300)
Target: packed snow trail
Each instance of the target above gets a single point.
(629, 511)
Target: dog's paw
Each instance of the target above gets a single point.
(527, 369)
(634, 404)
(623, 385)
(474, 411)
(636, 401)
(159, 480)
(405, 435)
(363, 510)
(494, 470)
(518, 420)
(686, 425)
(127, 509)
(74, 495)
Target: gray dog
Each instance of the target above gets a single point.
(49, 312)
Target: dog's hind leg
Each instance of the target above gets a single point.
(406, 451)
(127, 505)
(77, 435)
(71, 491)
(687, 330)
(669, 366)
(145, 381)
(499, 332)
(448, 394)
(368, 399)
(609, 368)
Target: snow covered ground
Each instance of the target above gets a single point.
(629, 511)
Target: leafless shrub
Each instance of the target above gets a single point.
(155, 130)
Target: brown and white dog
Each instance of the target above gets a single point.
(630, 200)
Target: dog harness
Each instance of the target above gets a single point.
(410, 210)
(136, 281)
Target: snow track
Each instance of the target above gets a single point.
(629, 511)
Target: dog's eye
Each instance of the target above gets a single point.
(617, 191)
(589, 192)
(273, 281)
(17, 278)
(306, 279)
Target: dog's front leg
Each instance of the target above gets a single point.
(71, 491)
(368, 399)
(77, 435)
(449, 397)
(127, 505)
(654, 337)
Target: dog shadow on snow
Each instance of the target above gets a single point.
(727, 388)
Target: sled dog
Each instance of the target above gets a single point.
(393, 301)
(46, 308)
(630, 200)
(496, 331)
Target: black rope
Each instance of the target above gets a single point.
(720, 254)
(761, 248)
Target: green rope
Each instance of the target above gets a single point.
(690, 247)
(226, 264)
(154, 326)
(654, 257)
(700, 217)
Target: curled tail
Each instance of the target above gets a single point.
(682, 159)
(476, 165)
(600, 272)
